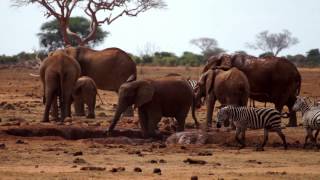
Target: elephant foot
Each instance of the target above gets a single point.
(91, 116)
(80, 114)
(285, 147)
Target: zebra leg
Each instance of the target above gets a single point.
(265, 140)
(238, 131)
(243, 137)
(283, 137)
(309, 135)
(316, 136)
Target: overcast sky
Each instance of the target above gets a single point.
(231, 22)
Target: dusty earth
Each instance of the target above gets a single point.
(79, 148)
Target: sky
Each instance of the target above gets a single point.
(232, 23)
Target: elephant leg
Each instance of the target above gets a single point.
(181, 119)
(54, 109)
(79, 106)
(143, 119)
(292, 114)
(129, 112)
(154, 117)
(91, 106)
(211, 100)
(49, 99)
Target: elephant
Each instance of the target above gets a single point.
(85, 92)
(109, 68)
(58, 73)
(155, 98)
(229, 87)
(272, 79)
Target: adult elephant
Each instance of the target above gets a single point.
(271, 79)
(229, 87)
(109, 68)
(168, 97)
(59, 73)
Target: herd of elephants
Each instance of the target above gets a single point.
(73, 75)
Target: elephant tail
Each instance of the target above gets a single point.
(298, 88)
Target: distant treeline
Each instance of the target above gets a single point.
(311, 59)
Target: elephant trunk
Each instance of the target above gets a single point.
(193, 108)
(120, 109)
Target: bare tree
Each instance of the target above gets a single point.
(273, 42)
(208, 46)
(108, 11)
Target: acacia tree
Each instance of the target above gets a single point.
(50, 36)
(98, 11)
(273, 42)
(208, 46)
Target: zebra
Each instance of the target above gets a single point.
(310, 117)
(255, 118)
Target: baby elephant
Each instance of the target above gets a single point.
(85, 92)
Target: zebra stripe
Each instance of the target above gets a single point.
(192, 83)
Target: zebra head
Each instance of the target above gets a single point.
(300, 104)
(223, 116)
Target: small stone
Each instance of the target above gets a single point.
(93, 168)
(19, 141)
(8, 107)
(36, 166)
(183, 147)
(74, 166)
(79, 161)
(162, 161)
(157, 171)
(194, 178)
(78, 153)
(153, 161)
(119, 169)
(194, 161)
(102, 114)
(137, 169)
(2, 146)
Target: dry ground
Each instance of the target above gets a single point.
(53, 157)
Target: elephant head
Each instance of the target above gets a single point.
(136, 92)
(223, 61)
(204, 86)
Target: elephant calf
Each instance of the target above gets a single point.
(85, 92)
(154, 99)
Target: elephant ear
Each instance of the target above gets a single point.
(210, 81)
(144, 93)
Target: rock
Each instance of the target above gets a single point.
(36, 166)
(79, 161)
(205, 153)
(162, 161)
(8, 107)
(119, 169)
(153, 161)
(195, 161)
(157, 171)
(19, 141)
(78, 153)
(194, 177)
(254, 161)
(137, 169)
(102, 114)
(2, 145)
(93, 168)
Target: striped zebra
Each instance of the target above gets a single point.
(253, 118)
(310, 118)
